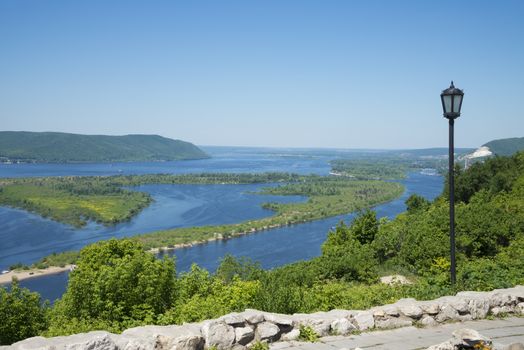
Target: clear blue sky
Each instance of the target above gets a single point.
(345, 74)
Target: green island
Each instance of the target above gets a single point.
(118, 284)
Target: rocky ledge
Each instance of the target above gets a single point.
(241, 330)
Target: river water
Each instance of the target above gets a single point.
(26, 237)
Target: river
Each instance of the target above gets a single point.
(26, 237)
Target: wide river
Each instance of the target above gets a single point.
(25, 237)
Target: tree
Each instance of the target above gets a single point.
(116, 282)
(415, 203)
(22, 314)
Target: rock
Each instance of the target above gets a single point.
(429, 307)
(394, 279)
(218, 334)
(364, 320)
(319, 322)
(281, 320)
(391, 310)
(233, 319)
(267, 331)
(342, 326)
(243, 335)
(428, 321)
(515, 346)
(291, 336)
(253, 316)
(519, 308)
(393, 322)
(186, 337)
(466, 337)
(447, 313)
(409, 308)
(502, 298)
(502, 310)
(448, 345)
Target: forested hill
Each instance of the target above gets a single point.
(55, 147)
(506, 147)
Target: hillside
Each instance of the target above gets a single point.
(506, 147)
(55, 147)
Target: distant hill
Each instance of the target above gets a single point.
(56, 147)
(506, 147)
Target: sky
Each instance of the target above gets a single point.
(277, 73)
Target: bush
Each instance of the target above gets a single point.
(22, 314)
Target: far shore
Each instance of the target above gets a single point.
(31, 273)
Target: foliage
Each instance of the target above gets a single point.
(506, 147)
(258, 345)
(63, 147)
(22, 313)
(117, 282)
(307, 334)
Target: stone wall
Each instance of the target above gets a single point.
(240, 330)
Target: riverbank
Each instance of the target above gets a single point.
(32, 273)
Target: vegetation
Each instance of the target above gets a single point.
(506, 147)
(22, 314)
(76, 200)
(117, 285)
(327, 197)
(369, 169)
(55, 147)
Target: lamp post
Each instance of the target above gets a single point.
(451, 104)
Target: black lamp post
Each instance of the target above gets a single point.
(451, 104)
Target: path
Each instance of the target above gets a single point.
(501, 331)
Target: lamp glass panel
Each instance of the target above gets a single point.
(457, 103)
(447, 103)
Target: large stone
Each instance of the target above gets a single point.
(447, 345)
(342, 326)
(218, 334)
(319, 322)
(409, 308)
(428, 321)
(519, 309)
(502, 310)
(502, 298)
(253, 316)
(291, 336)
(429, 307)
(186, 337)
(267, 331)
(447, 313)
(233, 319)
(102, 342)
(243, 335)
(278, 319)
(393, 322)
(364, 320)
(469, 338)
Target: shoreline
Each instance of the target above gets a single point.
(33, 273)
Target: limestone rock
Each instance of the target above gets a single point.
(281, 320)
(393, 322)
(364, 320)
(243, 335)
(428, 321)
(232, 319)
(448, 345)
(429, 307)
(253, 316)
(409, 308)
(506, 309)
(466, 337)
(267, 331)
(520, 308)
(218, 334)
(293, 335)
(342, 326)
(447, 313)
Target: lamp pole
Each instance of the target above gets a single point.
(451, 104)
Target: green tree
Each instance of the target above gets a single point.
(416, 203)
(22, 314)
(117, 283)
